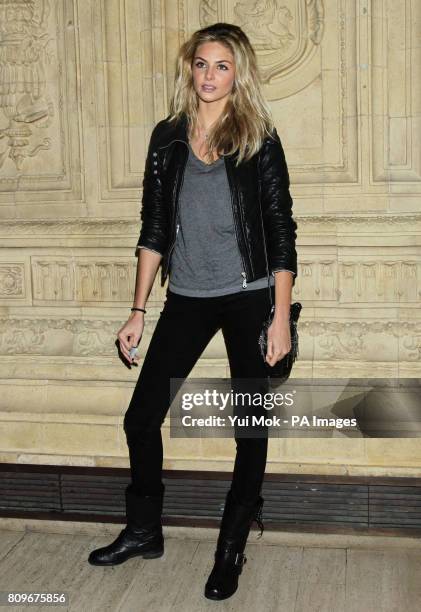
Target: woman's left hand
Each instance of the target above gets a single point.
(279, 340)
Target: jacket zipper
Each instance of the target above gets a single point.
(170, 252)
(259, 181)
(243, 274)
(242, 229)
(176, 218)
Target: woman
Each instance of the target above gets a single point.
(210, 166)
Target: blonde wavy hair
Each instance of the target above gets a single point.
(246, 118)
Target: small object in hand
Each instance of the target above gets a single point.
(282, 368)
(133, 351)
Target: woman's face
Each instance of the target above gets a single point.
(213, 66)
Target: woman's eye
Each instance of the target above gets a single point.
(202, 64)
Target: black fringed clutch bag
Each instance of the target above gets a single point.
(282, 368)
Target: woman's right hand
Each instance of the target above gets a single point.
(130, 334)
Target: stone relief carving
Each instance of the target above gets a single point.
(380, 281)
(412, 344)
(337, 340)
(365, 340)
(96, 280)
(283, 32)
(268, 24)
(23, 97)
(84, 279)
(116, 228)
(208, 12)
(11, 281)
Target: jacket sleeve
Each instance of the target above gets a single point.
(279, 225)
(153, 213)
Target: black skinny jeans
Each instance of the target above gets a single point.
(185, 327)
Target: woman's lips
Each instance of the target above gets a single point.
(208, 87)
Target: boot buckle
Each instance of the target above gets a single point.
(240, 559)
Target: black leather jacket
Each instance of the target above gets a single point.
(264, 178)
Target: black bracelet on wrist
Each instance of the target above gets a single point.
(141, 309)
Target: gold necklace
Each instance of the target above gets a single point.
(205, 130)
(202, 133)
(206, 135)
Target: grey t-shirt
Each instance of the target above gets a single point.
(206, 260)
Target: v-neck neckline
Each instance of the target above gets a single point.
(201, 160)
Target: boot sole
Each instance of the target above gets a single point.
(144, 555)
(219, 598)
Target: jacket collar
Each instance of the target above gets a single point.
(173, 131)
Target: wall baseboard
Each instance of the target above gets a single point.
(307, 503)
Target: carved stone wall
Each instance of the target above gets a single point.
(82, 85)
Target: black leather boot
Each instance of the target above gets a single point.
(229, 555)
(142, 535)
